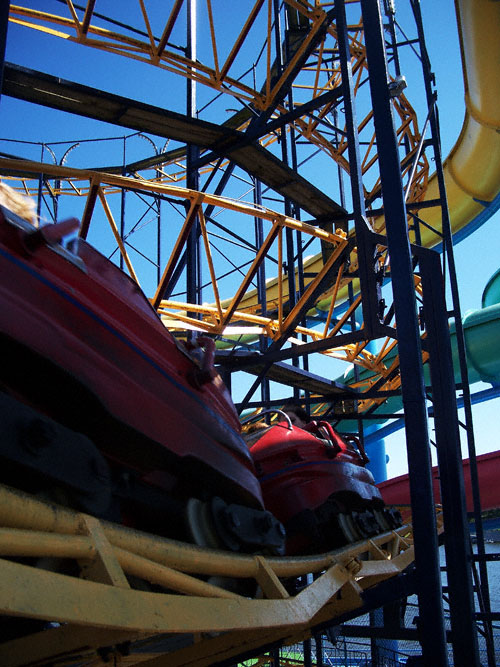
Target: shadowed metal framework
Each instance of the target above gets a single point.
(278, 234)
(297, 99)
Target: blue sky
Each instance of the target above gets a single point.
(477, 257)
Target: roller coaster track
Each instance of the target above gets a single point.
(100, 590)
(312, 69)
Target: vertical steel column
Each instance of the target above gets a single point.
(4, 22)
(365, 255)
(284, 156)
(193, 268)
(390, 12)
(295, 209)
(365, 246)
(457, 539)
(261, 284)
(460, 336)
(318, 638)
(431, 621)
(40, 187)
(123, 200)
(307, 653)
(158, 232)
(374, 643)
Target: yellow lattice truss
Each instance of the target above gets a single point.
(224, 58)
(236, 316)
(150, 38)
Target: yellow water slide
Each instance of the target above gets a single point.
(472, 169)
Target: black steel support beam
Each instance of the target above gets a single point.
(288, 375)
(287, 204)
(256, 132)
(457, 539)
(432, 636)
(53, 92)
(193, 256)
(327, 343)
(364, 241)
(265, 390)
(483, 593)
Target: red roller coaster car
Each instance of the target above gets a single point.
(316, 483)
(103, 407)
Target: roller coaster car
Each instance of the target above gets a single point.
(101, 408)
(315, 482)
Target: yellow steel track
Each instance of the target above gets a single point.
(136, 596)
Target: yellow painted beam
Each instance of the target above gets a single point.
(234, 623)
(35, 593)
